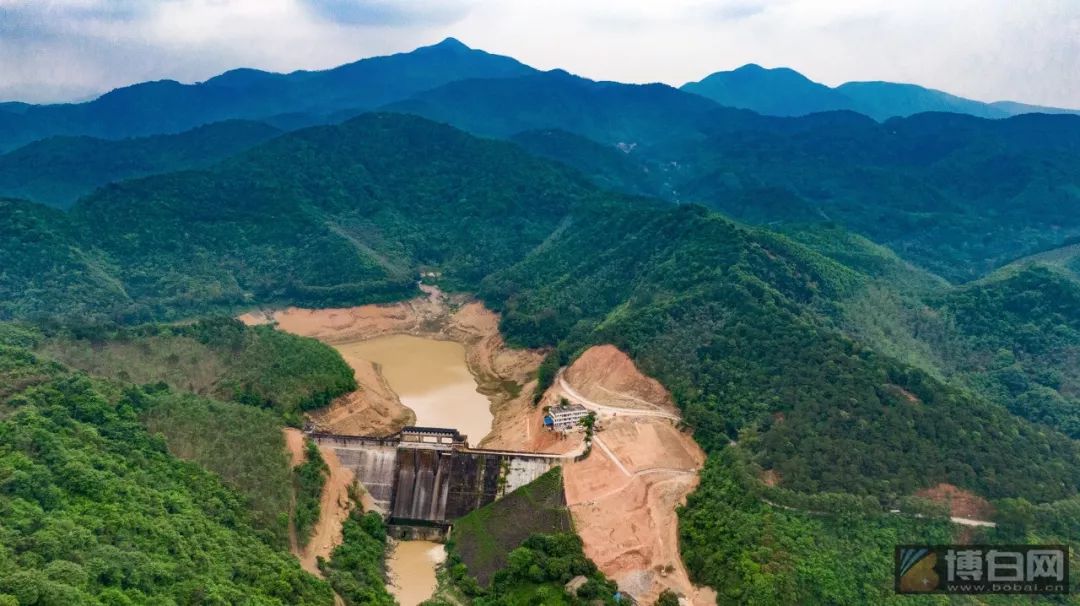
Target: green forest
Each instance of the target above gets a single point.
(309, 478)
(60, 170)
(855, 363)
(756, 553)
(219, 357)
(536, 572)
(97, 511)
(149, 493)
(356, 569)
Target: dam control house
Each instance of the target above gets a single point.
(565, 417)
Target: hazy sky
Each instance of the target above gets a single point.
(1025, 50)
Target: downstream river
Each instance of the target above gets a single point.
(432, 378)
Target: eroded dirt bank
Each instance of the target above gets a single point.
(605, 375)
(334, 506)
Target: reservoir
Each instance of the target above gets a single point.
(432, 378)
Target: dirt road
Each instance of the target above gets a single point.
(576, 397)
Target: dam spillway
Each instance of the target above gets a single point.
(423, 484)
(374, 466)
(429, 477)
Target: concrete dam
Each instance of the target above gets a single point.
(424, 478)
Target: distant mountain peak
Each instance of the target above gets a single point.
(242, 76)
(451, 43)
(753, 69)
(755, 75)
(779, 91)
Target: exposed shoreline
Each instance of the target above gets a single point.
(503, 375)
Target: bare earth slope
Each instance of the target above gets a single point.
(605, 375)
(334, 506)
(623, 497)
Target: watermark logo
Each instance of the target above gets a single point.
(974, 569)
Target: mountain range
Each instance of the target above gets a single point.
(167, 106)
(957, 194)
(304, 98)
(853, 312)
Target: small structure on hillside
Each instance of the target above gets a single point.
(565, 417)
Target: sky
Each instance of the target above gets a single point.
(1029, 50)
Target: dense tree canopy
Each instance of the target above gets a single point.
(783, 343)
(218, 357)
(95, 510)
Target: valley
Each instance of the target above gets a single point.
(265, 338)
(622, 497)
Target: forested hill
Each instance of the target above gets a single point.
(59, 170)
(728, 317)
(329, 215)
(957, 194)
(722, 316)
(94, 510)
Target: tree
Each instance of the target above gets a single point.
(588, 422)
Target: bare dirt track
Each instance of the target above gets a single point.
(334, 509)
(294, 441)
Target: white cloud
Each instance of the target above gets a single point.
(986, 49)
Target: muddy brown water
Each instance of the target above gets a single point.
(432, 378)
(412, 567)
